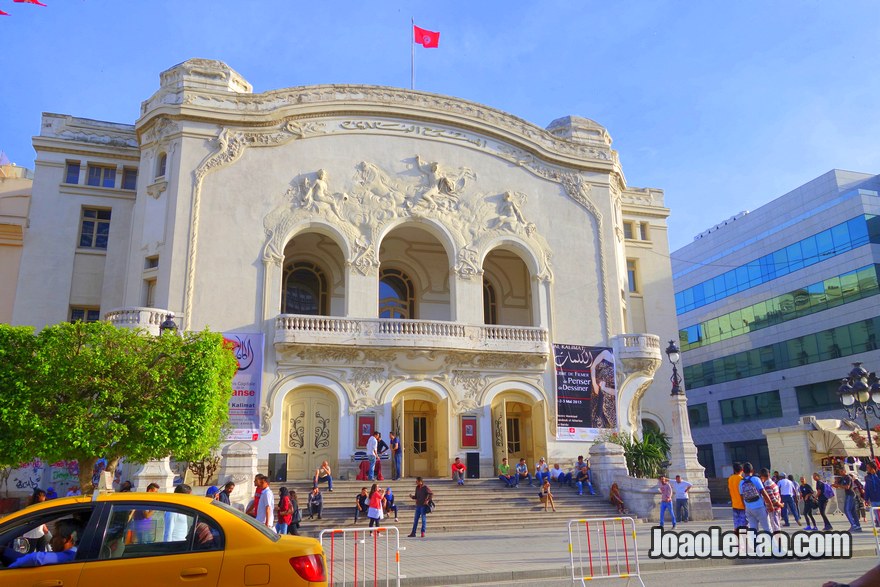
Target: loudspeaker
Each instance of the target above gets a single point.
(472, 462)
(278, 466)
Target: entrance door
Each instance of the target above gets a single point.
(512, 431)
(515, 439)
(311, 432)
(398, 424)
(419, 442)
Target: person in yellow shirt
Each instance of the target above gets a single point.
(736, 500)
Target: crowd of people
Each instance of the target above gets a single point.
(761, 500)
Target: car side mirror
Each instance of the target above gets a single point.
(21, 545)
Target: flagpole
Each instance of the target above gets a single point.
(412, 48)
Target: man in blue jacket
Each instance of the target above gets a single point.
(872, 489)
(63, 543)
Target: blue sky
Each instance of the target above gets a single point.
(724, 105)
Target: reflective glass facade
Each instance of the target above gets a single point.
(758, 406)
(833, 343)
(833, 241)
(698, 415)
(818, 397)
(831, 292)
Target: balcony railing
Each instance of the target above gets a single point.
(136, 317)
(637, 346)
(379, 332)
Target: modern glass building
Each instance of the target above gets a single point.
(773, 307)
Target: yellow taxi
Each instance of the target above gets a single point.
(150, 539)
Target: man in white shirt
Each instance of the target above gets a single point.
(788, 492)
(373, 453)
(266, 505)
(681, 488)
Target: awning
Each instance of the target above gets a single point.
(836, 443)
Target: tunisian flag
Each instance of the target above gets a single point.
(37, 2)
(425, 38)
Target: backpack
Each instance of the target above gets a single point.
(827, 491)
(750, 492)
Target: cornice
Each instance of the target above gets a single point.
(315, 102)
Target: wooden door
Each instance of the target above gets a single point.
(499, 433)
(311, 434)
(398, 422)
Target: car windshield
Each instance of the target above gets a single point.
(261, 527)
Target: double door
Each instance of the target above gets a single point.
(311, 432)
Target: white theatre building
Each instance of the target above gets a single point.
(409, 259)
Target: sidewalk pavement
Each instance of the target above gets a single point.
(463, 558)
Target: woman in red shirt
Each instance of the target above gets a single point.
(375, 501)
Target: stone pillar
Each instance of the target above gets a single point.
(607, 465)
(238, 463)
(155, 471)
(683, 460)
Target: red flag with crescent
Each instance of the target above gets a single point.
(37, 2)
(425, 38)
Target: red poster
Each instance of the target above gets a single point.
(366, 424)
(469, 432)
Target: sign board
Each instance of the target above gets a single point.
(244, 406)
(586, 393)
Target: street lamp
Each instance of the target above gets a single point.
(168, 325)
(674, 355)
(860, 394)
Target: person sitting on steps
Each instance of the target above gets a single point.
(322, 475)
(360, 504)
(458, 470)
(546, 496)
(316, 503)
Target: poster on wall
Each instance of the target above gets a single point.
(586, 393)
(244, 406)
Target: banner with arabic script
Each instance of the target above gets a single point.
(586, 393)
(244, 406)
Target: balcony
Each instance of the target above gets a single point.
(136, 317)
(422, 334)
(638, 352)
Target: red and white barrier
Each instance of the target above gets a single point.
(359, 557)
(603, 548)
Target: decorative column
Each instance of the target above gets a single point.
(238, 463)
(683, 452)
(155, 471)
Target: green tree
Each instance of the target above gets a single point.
(94, 390)
(17, 347)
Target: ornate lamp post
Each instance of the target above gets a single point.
(860, 394)
(168, 325)
(674, 356)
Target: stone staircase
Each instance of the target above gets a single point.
(478, 505)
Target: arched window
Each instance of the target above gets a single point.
(650, 426)
(396, 295)
(305, 290)
(490, 303)
(161, 165)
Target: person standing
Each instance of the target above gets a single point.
(297, 516)
(226, 492)
(811, 502)
(422, 497)
(373, 453)
(266, 505)
(682, 503)
(665, 490)
(736, 500)
(824, 492)
(285, 511)
(458, 470)
(872, 489)
(775, 506)
(176, 524)
(788, 492)
(252, 506)
(396, 454)
(755, 497)
(375, 512)
(844, 481)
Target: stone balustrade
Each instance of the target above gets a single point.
(381, 332)
(137, 317)
(637, 346)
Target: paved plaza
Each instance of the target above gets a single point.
(540, 557)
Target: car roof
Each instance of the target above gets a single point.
(128, 496)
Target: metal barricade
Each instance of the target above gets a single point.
(361, 557)
(603, 548)
(874, 512)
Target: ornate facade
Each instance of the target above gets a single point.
(408, 256)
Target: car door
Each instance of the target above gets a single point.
(179, 546)
(65, 574)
